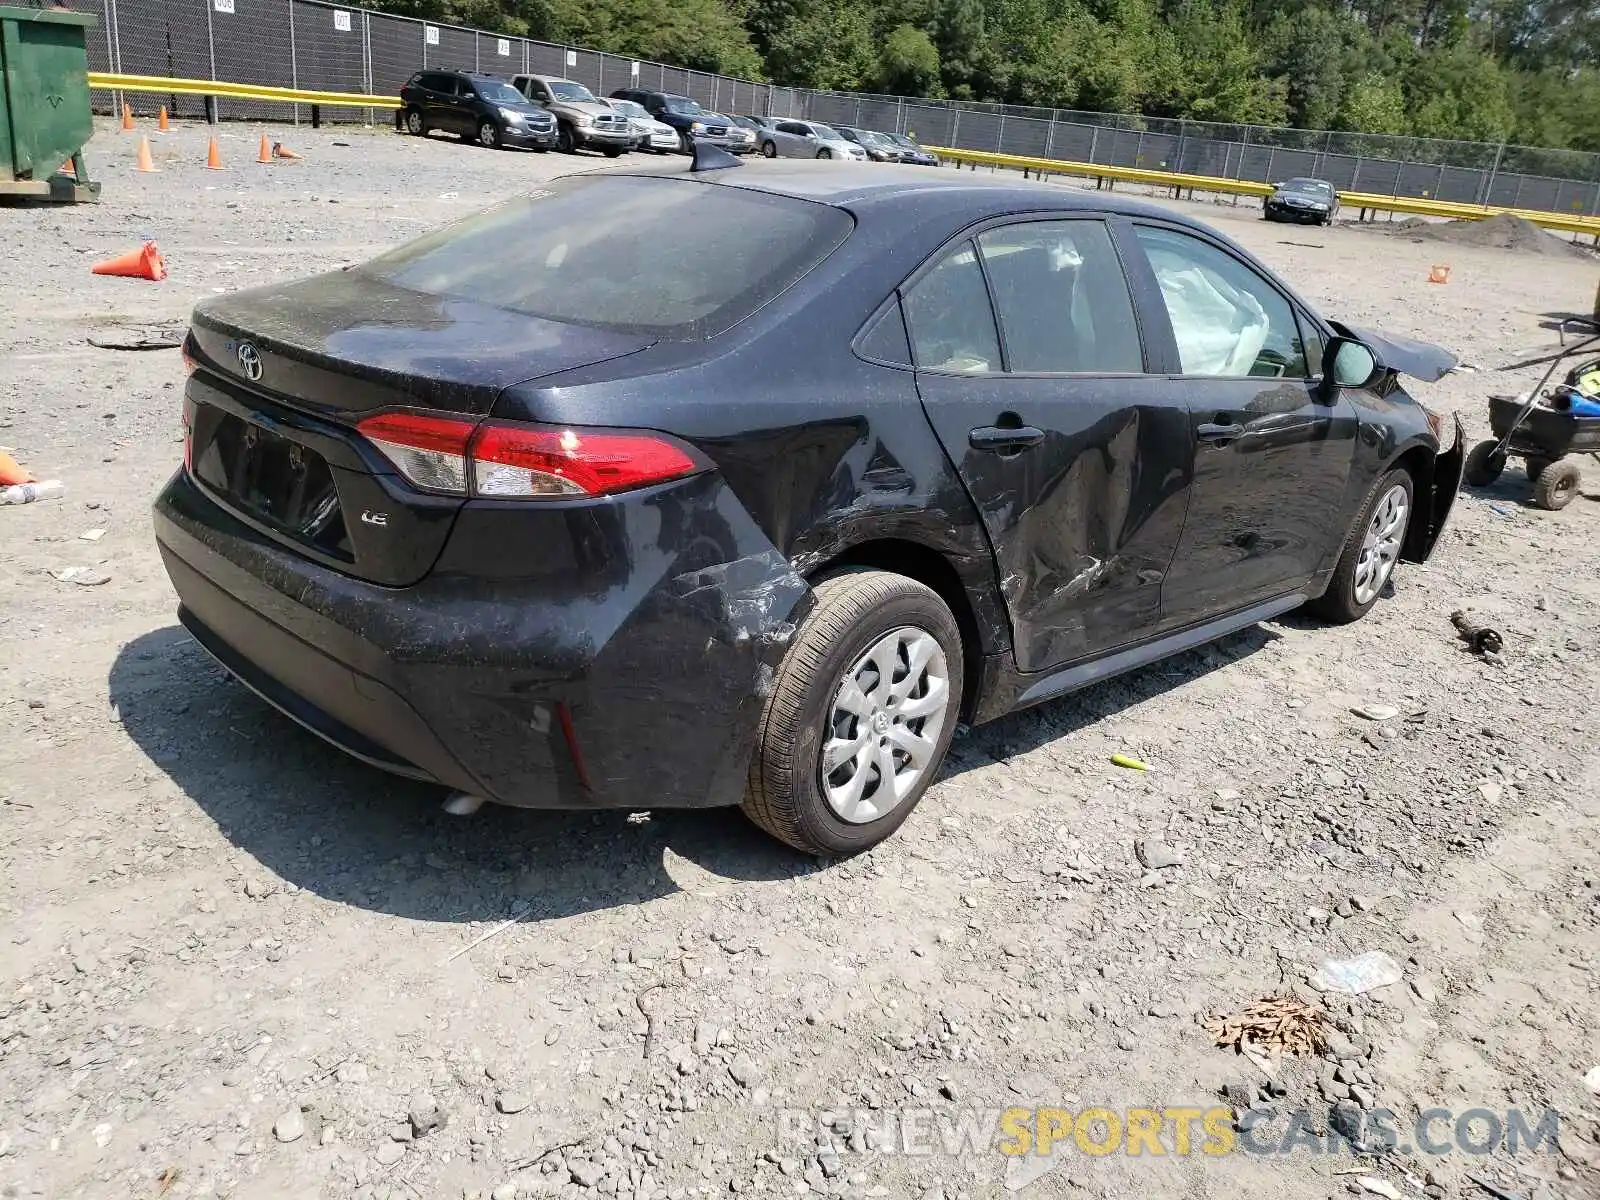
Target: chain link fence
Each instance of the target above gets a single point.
(325, 47)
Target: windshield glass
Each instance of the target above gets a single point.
(900, 139)
(875, 139)
(499, 93)
(575, 93)
(642, 269)
(629, 109)
(1315, 186)
(684, 106)
(826, 133)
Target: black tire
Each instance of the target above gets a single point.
(1557, 485)
(1535, 467)
(1483, 465)
(1339, 603)
(613, 151)
(769, 150)
(564, 140)
(824, 153)
(854, 609)
(488, 135)
(416, 123)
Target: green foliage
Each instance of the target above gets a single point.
(1487, 70)
(908, 63)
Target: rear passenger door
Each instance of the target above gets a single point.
(1272, 454)
(1031, 368)
(445, 104)
(790, 137)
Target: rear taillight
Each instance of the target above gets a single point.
(506, 461)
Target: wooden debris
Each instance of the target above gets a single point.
(1276, 1024)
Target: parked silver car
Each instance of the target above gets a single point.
(808, 139)
(648, 133)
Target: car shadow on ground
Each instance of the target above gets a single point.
(318, 819)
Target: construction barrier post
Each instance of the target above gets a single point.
(316, 116)
(211, 110)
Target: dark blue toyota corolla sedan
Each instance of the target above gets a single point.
(745, 486)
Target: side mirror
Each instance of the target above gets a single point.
(1347, 363)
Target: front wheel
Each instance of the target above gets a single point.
(860, 715)
(416, 123)
(613, 151)
(1370, 552)
(1484, 464)
(564, 142)
(488, 135)
(824, 153)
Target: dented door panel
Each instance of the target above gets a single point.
(1084, 523)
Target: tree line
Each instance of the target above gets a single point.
(1481, 70)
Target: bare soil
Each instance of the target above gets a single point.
(235, 963)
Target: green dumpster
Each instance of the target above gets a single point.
(44, 103)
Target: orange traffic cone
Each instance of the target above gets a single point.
(12, 471)
(161, 121)
(127, 117)
(265, 156)
(213, 157)
(279, 150)
(1438, 274)
(144, 263)
(145, 165)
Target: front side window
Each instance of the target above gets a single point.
(1228, 321)
(949, 318)
(1061, 298)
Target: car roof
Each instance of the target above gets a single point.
(862, 185)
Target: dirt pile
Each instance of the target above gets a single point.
(1500, 232)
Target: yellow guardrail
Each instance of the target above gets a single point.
(1416, 206)
(237, 91)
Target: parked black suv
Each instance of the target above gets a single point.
(693, 123)
(481, 107)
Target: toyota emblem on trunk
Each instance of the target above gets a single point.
(249, 360)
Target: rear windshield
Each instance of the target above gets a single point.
(675, 257)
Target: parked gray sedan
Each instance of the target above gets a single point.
(808, 139)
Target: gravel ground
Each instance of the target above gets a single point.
(236, 964)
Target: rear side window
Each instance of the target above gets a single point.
(644, 267)
(949, 318)
(1062, 299)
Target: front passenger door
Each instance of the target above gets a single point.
(1076, 460)
(1272, 458)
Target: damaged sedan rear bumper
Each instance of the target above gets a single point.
(613, 653)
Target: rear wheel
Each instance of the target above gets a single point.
(1370, 552)
(1557, 485)
(1484, 464)
(416, 123)
(1535, 467)
(488, 134)
(768, 150)
(860, 716)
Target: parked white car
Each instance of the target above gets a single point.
(808, 139)
(649, 134)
